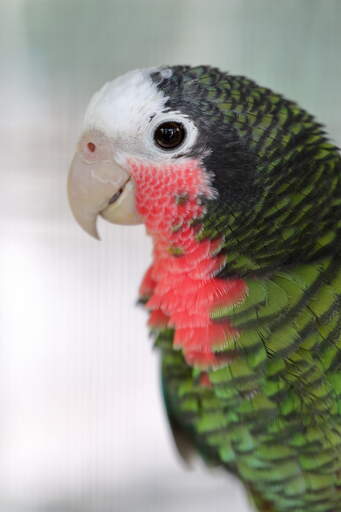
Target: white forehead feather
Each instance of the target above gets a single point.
(125, 104)
(128, 110)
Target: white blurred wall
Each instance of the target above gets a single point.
(82, 426)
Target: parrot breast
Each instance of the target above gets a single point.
(180, 285)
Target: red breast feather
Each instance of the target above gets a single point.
(180, 284)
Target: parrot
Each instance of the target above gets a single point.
(239, 189)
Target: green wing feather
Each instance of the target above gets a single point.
(273, 415)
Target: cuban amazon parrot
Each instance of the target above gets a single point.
(240, 190)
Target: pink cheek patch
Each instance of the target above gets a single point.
(180, 285)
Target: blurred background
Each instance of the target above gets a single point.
(82, 427)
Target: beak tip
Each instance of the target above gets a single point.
(88, 225)
(92, 231)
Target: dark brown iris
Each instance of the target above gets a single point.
(169, 135)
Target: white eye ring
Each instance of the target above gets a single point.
(190, 134)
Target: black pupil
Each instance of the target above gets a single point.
(169, 135)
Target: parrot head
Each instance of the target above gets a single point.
(153, 133)
(193, 151)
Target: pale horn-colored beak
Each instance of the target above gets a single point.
(101, 187)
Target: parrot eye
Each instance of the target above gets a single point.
(91, 147)
(169, 135)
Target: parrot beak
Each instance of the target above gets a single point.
(100, 187)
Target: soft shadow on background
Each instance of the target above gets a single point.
(82, 427)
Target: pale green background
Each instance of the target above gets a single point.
(82, 428)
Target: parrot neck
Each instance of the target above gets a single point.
(168, 198)
(180, 285)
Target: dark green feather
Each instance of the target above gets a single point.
(273, 414)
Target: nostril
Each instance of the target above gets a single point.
(91, 147)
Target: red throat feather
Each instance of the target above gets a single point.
(180, 285)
